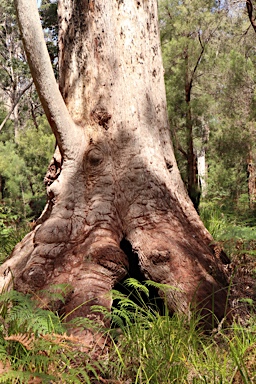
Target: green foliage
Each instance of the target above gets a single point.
(34, 346)
(146, 346)
(23, 165)
(154, 348)
(20, 314)
(204, 45)
(12, 168)
(26, 143)
(10, 235)
(214, 220)
(226, 227)
(189, 40)
(35, 148)
(48, 14)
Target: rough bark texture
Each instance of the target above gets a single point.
(122, 180)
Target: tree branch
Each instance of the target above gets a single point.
(178, 146)
(198, 61)
(17, 99)
(200, 55)
(41, 69)
(184, 153)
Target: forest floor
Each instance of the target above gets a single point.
(143, 346)
(242, 272)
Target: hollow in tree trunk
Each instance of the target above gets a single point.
(115, 176)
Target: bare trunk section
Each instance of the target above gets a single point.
(124, 181)
(251, 171)
(202, 171)
(192, 174)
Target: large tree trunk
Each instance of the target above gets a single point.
(117, 177)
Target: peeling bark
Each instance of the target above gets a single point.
(120, 180)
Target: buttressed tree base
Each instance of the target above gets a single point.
(115, 176)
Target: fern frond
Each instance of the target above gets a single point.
(122, 317)
(85, 322)
(128, 304)
(58, 339)
(18, 376)
(20, 312)
(5, 366)
(100, 309)
(45, 321)
(9, 296)
(133, 283)
(3, 353)
(26, 339)
(79, 375)
(57, 292)
(116, 295)
(162, 287)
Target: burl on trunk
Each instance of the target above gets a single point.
(115, 175)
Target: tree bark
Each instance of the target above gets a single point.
(251, 171)
(192, 174)
(117, 176)
(202, 171)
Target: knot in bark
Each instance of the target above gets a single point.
(35, 276)
(101, 116)
(95, 157)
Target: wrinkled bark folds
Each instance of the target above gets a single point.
(117, 177)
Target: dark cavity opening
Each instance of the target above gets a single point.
(153, 300)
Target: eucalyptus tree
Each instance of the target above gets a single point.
(114, 176)
(189, 41)
(231, 150)
(15, 79)
(208, 53)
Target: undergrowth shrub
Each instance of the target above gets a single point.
(155, 348)
(236, 235)
(10, 234)
(214, 219)
(35, 348)
(147, 346)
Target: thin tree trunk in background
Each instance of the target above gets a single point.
(2, 187)
(251, 171)
(192, 174)
(201, 158)
(202, 171)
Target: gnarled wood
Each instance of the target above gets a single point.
(123, 181)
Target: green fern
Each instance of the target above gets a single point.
(85, 322)
(22, 315)
(147, 347)
(33, 343)
(138, 286)
(19, 376)
(56, 293)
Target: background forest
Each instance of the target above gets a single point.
(209, 55)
